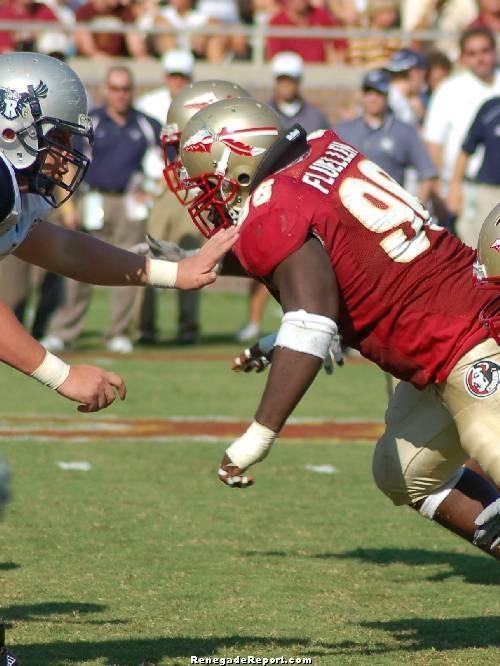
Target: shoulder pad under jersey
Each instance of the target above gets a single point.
(274, 223)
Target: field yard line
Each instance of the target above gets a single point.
(167, 429)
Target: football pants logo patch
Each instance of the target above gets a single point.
(482, 379)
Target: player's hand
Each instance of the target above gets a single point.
(252, 359)
(257, 357)
(230, 474)
(199, 270)
(92, 387)
(488, 526)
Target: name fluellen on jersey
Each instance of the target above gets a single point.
(325, 170)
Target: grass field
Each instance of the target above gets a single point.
(147, 559)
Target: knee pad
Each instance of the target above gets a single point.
(431, 503)
(408, 472)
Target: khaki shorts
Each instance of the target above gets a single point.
(430, 433)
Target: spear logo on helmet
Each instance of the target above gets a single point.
(203, 140)
(496, 245)
(202, 101)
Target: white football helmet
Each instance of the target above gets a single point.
(191, 99)
(222, 147)
(43, 110)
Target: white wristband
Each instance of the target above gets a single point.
(162, 273)
(52, 371)
(252, 446)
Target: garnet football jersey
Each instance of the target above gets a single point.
(408, 298)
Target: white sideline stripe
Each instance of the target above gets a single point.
(293, 420)
(74, 466)
(321, 469)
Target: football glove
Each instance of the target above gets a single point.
(161, 249)
(259, 356)
(488, 526)
(335, 355)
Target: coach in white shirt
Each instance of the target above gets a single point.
(178, 68)
(455, 103)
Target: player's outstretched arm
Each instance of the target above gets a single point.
(309, 296)
(88, 259)
(90, 386)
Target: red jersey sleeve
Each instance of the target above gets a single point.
(275, 224)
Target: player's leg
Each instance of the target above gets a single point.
(460, 508)
(471, 394)
(419, 462)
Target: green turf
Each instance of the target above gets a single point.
(147, 559)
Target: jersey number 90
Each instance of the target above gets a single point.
(382, 205)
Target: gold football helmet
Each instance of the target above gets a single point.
(191, 99)
(487, 267)
(221, 148)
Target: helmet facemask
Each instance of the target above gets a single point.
(59, 144)
(221, 149)
(211, 195)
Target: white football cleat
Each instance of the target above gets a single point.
(120, 344)
(53, 344)
(248, 332)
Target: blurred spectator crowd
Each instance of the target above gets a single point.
(133, 27)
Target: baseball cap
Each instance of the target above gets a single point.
(53, 42)
(287, 63)
(376, 79)
(178, 61)
(405, 59)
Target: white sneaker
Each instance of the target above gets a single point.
(248, 332)
(53, 344)
(120, 344)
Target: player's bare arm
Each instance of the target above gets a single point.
(87, 259)
(306, 282)
(93, 388)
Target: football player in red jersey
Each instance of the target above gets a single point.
(344, 248)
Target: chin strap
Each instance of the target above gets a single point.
(282, 153)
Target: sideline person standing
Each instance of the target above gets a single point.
(114, 207)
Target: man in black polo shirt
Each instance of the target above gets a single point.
(115, 207)
(387, 141)
(484, 132)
